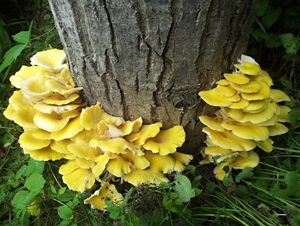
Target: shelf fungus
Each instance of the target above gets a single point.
(250, 113)
(97, 147)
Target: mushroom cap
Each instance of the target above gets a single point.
(106, 192)
(61, 146)
(25, 73)
(265, 145)
(84, 163)
(77, 179)
(278, 129)
(254, 118)
(129, 127)
(91, 116)
(166, 141)
(226, 90)
(219, 171)
(228, 140)
(146, 132)
(44, 154)
(247, 130)
(264, 76)
(27, 141)
(237, 78)
(139, 162)
(101, 162)
(147, 176)
(181, 160)
(216, 151)
(118, 166)
(250, 87)
(24, 117)
(255, 106)
(283, 113)
(223, 82)
(40, 134)
(263, 93)
(53, 122)
(52, 59)
(214, 98)
(242, 104)
(58, 99)
(212, 123)
(82, 150)
(72, 128)
(48, 109)
(248, 67)
(249, 161)
(160, 163)
(115, 145)
(279, 96)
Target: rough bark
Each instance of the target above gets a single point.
(150, 58)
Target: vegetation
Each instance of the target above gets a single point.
(32, 193)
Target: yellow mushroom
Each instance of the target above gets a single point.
(212, 123)
(52, 59)
(166, 141)
(147, 176)
(106, 192)
(237, 78)
(251, 160)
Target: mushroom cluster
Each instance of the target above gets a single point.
(97, 146)
(249, 115)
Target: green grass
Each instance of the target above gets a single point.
(267, 195)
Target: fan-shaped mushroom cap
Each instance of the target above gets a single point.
(44, 154)
(76, 178)
(248, 65)
(58, 99)
(145, 132)
(242, 104)
(166, 141)
(52, 59)
(106, 192)
(263, 93)
(147, 176)
(72, 128)
(101, 162)
(279, 96)
(82, 150)
(251, 160)
(265, 145)
(216, 151)
(181, 160)
(247, 130)
(227, 140)
(219, 170)
(237, 78)
(160, 163)
(250, 87)
(214, 98)
(212, 123)
(118, 166)
(278, 129)
(139, 162)
(283, 113)
(27, 141)
(226, 91)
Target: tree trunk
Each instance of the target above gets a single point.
(150, 58)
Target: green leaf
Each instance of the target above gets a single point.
(271, 16)
(65, 213)
(272, 41)
(183, 188)
(22, 37)
(22, 199)
(115, 212)
(11, 55)
(294, 117)
(34, 166)
(35, 182)
(247, 172)
(261, 7)
(290, 43)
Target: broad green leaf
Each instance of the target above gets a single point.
(261, 7)
(22, 37)
(65, 213)
(34, 166)
(290, 43)
(115, 212)
(294, 117)
(35, 182)
(271, 16)
(22, 199)
(11, 55)
(183, 188)
(247, 172)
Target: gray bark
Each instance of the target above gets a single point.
(150, 58)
